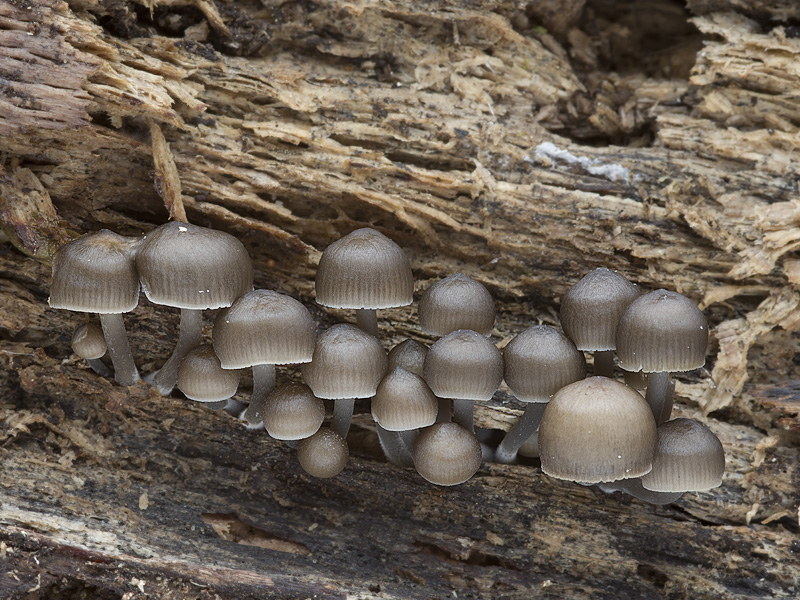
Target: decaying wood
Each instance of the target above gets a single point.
(523, 144)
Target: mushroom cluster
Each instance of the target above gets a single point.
(594, 430)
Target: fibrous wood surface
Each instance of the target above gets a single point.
(521, 143)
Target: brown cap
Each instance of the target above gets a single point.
(662, 331)
(591, 309)
(447, 454)
(595, 430)
(540, 361)
(264, 327)
(410, 355)
(96, 273)
(403, 402)
(88, 341)
(464, 365)
(364, 269)
(201, 378)
(292, 412)
(689, 458)
(324, 454)
(187, 266)
(347, 363)
(456, 302)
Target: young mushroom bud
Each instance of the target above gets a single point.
(88, 343)
(456, 302)
(324, 454)
(201, 377)
(410, 355)
(447, 454)
(292, 412)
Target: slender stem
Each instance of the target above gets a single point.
(633, 487)
(98, 367)
(409, 438)
(443, 413)
(215, 405)
(189, 336)
(669, 400)
(521, 431)
(394, 447)
(604, 363)
(234, 407)
(367, 321)
(342, 415)
(658, 386)
(463, 413)
(125, 371)
(263, 382)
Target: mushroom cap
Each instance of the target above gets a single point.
(347, 363)
(689, 458)
(662, 331)
(96, 273)
(187, 266)
(456, 302)
(410, 355)
(324, 454)
(292, 412)
(540, 361)
(465, 365)
(447, 454)
(596, 430)
(264, 327)
(88, 341)
(592, 307)
(403, 401)
(201, 378)
(364, 269)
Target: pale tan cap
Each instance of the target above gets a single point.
(447, 454)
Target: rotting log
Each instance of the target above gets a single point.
(523, 144)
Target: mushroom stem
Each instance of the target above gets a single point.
(409, 437)
(658, 395)
(342, 415)
(633, 487)
(521, 431)
(463, 413)
(367, 321)
(604, 363)
(99, 367)
(125, 371)
(263, 382)
(394, 447)
(443, 412)
(189, 336)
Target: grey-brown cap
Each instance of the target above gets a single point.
(465, 365)
(347, 363)
(324, 454)
(456, 302)
(403, 402)
(96, 273)
(88, 341)
(364, 269)
(689, 458)
(264, 327)
(540, 361)
(596, 430)
(592, 307)
(447, 454)
(201, 378)
(292, 412)
(187, 266)
(410, 355)
(662, 331)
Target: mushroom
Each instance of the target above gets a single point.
(410, 355)
(590, 311)
(88, 343)
(292, 412)
(95, 273)
(324, 454)
(456, 302)
(192, 268)
(201, 377)
(447, 454)
(660, 333)
(364, 270)
(538, 362)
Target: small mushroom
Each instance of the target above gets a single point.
(324, 454)
(447, 454)
(88, 343)
(292, 412)
(201, 377)
(410, 355)
(456, 302)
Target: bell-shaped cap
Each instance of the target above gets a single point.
(187, 266)
(592, 307)
(456, 302)
(596, 430)
(403, 402)
(292, 412)
(88, 341)
(264, 327)
(689, 458)
(447, 454)
(662, 331)
(324, 454)
(347, 363)
(540, 361)
(96, 273)
(465, 365)
(201, 378)
(409, 354)
(364, 269)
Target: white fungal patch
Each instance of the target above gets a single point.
(549, 151)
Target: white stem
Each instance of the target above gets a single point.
(125, 371)
(367, 321)
(463, 413)
(658, 387)
(263, 382)
(521, 431)
(394, 447)
(189, 336)
(342, 415)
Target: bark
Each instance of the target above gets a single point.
(521, 144)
